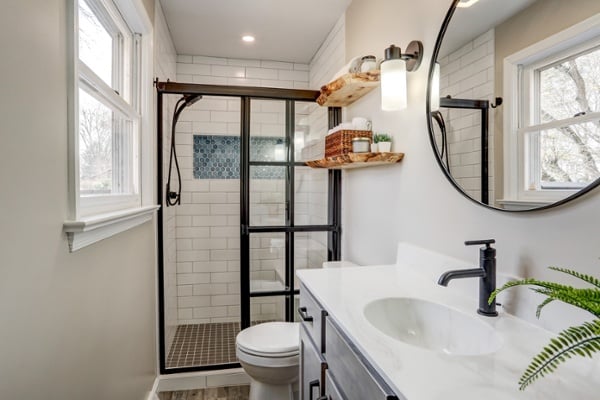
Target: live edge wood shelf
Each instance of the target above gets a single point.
(357, 160)
(348, 88)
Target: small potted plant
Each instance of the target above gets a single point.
(383, 141)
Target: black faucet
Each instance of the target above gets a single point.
(486, 271)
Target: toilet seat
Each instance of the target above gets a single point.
(267, 362)
(270, 340)
(270, 355)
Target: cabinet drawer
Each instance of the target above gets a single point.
(312, 317)
(312, 368)
(331, 387)
(354, 376)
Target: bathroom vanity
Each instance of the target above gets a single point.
(391, 332)
(352, 371)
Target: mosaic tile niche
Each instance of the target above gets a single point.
(218, 157)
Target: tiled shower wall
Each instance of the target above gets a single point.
(468, 73)
(328, 60)
(165, 68)
(208, 220)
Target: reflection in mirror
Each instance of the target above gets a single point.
(518, 122)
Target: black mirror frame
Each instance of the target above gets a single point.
(434, 56)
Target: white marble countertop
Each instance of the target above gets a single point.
(421, 374)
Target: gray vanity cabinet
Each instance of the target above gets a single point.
(312, 368)
(331, 367)
(312, 362)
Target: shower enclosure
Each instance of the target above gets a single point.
(250, 214)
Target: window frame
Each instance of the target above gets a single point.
(96, 217)
(520, 83)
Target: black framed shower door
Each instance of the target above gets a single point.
(288, 228)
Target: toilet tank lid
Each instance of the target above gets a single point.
(270, 338)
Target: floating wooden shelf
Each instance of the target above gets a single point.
(348, 88)
(356, 160)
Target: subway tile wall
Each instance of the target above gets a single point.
(468, 73)
(207, 222)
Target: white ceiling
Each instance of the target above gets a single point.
(285, 30)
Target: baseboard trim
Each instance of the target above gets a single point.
(202, 380)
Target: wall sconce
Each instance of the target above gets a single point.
(393, 74)
(435, 88)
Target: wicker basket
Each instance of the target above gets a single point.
(340, 142)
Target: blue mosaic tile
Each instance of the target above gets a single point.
(218, 157)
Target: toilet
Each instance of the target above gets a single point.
(270, 355)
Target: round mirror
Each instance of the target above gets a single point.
(514, 101)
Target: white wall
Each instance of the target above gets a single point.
(73, 325)
(414, 202)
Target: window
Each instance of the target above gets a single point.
(561, 128)
(109, 117)
(553, 130)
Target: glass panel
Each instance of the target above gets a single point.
(202, 236)
(95, 44)
(267, 195)
(570, 87)
(296, 316)
(570, 156)
(266, 309)
(267, 262)
(267, 131)
(310, 131)
(311, 187)
(106, 149)
(310, 251)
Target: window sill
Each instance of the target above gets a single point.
(90, 230)
(517, 205)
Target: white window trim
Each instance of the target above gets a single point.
(514, 153)
(84, 231)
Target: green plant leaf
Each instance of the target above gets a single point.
(586, 278)
(543, 304)
(581, 298)
(526, 282)
(581, 341)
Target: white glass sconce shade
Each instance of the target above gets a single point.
(393, 85)
(466, 3)
(435, 88)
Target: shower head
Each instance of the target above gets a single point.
(190, 99)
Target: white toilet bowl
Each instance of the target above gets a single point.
(269, 353)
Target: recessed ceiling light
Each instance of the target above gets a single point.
(248, 38)
(466, 3)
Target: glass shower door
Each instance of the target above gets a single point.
(285, 209)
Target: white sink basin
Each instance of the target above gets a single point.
(432, 326)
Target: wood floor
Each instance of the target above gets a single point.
(222, 393)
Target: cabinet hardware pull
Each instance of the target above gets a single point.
(311, 386)
(304, 315)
